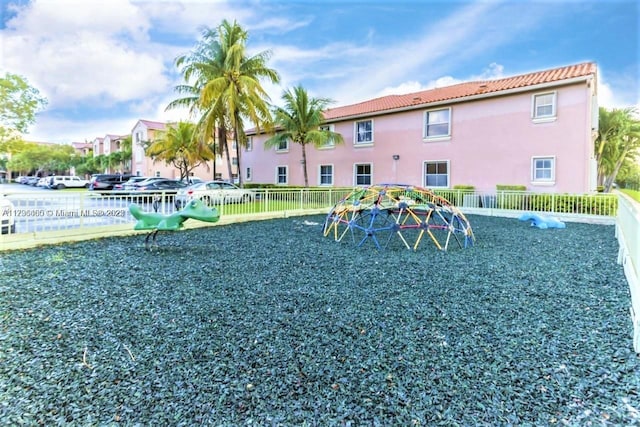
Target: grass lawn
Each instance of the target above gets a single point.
(632, 193)
(269, 323)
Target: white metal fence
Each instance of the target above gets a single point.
(628, 234)
(45, 211)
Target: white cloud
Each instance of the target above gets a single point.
(83, 51)
(618, 90)
(493, 71)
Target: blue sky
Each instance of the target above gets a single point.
(105, 64)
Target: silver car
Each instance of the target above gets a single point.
(214, 193)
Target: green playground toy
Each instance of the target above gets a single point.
(155, 221)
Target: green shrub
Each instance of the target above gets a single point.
(464, 187)
(504, 187)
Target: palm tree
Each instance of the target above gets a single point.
(226, 88)
(180, 146)
(618, 140)
(300, 121)
(236, 91)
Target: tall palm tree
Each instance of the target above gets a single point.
(299, 121)
(197, 69)
(236, 91)
(618, 140)
(226, 88)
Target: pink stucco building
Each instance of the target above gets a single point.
(536, 130)
(148, 130)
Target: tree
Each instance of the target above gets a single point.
(19, 103)
(618, 141)
(226, 87)
(180, 146)
(300, 122)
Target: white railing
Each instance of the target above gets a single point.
(55, 211)
(628, 234)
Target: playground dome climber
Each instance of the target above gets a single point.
(380, 213)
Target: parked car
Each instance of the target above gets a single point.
(160, 185)
(214, 192)
(60, 182)
(7, 216)
(43, 182)
(133, 183)
(130, 183)
(31, 180)
(104, 181)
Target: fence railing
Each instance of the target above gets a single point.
(628, 234)
(44, 211)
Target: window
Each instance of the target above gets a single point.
(218, 176)
(326, 174)
(247, 175)
(362, 174)
(329, 143)
(437, 123)
(281, 175)
(436, 174)
(543, 169)
(364, 132)
(544, 106)
(249, 146)
(234, 145)
(283, 146)
(234, 161)
(157, 174)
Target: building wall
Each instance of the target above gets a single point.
(145, 166)
(493, 141)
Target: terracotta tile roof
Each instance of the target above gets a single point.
(462, 90)
(153, 125)
(82, 144)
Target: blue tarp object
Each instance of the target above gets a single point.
(542, 222)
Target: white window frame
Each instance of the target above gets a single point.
(234, 161)
(541, 118)
(320, 175)
(426, 125)
(286, 175)
(424, 173)
(330, 142)
(248, 174)
(367, 143)
(355, 174)
(249, 146)
(551, 180)
(283, 150)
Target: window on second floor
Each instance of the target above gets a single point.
(282, 177)
(363, 132)
(544, 106)
(249, 146)
(234, 161)
(283, 145)
(247, 175)
(436, 173)
(543, 169)
(437, 123)
(363, 173)
(329, 143)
